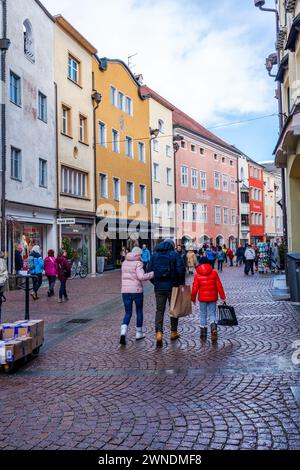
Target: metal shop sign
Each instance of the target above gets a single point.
(66, 221)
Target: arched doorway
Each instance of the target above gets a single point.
(204, 240)
(220, 240)
(186, 240)
(232, 243)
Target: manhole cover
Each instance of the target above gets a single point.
(79, 320)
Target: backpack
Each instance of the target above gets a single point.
(30, 263)
(165, 269)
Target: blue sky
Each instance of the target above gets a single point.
(205, 56)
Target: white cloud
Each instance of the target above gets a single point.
(201, 55)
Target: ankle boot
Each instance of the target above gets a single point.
(139, 333)
(159, 339)
(214, 332)
(174, 335)
(203, 333)
(124, 329)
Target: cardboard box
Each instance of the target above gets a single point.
(33, 329)
(9, 330)
(11, 351)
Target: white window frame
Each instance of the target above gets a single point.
(17, 99)
(156, 172)
(42, 107)
(194, 212)
(203, 213)
(115, 143)
(156, 207)
(102, 129)
(15, 164)
(129, 149)
(70, 182)
(103, 194)
(116, 195)
(113, 96)
(143, 191)
(161, 126)
(169, 176)
(225, 179)
(203, 180)
(194, 178)
(184, 175)
(43, 172)
(133, 191)
(168, 151)
(73, 72)
(185, 211)
(169, 209)
(195, 148)
(142, 155)
(155, 145)
(232, 184)
(129, 109)
(225, 215)
(217, 177)
(233, 216)
(218, 215)
(121, 100)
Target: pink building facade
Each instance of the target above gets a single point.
(206, 185)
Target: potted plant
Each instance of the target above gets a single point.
(102, 254)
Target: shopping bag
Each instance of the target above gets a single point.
(180, 305)
(226, 315)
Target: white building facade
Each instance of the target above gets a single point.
(244, 203)
(31, 194)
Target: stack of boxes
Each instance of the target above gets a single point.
(20, 339)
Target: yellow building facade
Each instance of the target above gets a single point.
(122, 159)
(75, 149)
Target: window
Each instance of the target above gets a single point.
(129, 147)
(156, 207)
(103, 185)
(242, 173)
(233, 216)
(194, 212)
(168, 151)
(225, 182)
(116, 185)
(15, 89)
(232, 185)
(260, 219)
(155, 145)
(217, 180)
(245, 197)
(156, 172)
(215, 156)
(130, 192)
(184, 176)
(83, 129)
(225, 215)
(42, 105)
(16, 164)
(203, 212)
(161, 126)
(142, 194)
(184, 210)
(169, 177)
(217, 215)
(66, 120)
(193, 148)
(251, 171)
(73, 69)
(201, 151)
(231, 162)
(258, 174)
(169, 209)
(121, 100)
(43, 177)
(245, 220)
(224, 160)
(194, 174)
(203, 184)
(102, 134)
(141, 149)
(252, 218)
(74, 183)
(183, 144)
(129, 107)
(115, 141)
(28, 40)
(113, 96)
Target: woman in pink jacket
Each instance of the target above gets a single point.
(133, 276)
(50, 267)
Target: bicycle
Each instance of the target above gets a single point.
(79, 269)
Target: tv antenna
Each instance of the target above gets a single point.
(130, 64)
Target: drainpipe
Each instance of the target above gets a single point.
(58, 228)
(4, 45)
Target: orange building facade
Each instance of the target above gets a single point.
(123, 175)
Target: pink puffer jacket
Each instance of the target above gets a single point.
(133, 275)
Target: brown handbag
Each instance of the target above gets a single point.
(180, 305)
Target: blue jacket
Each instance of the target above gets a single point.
(168, 267)
(38, 263)
(211, 255)
(221, 255)
(145, 255)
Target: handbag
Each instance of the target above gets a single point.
(226, 315)
(180, 305)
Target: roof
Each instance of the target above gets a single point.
(44, 9)
(292, 38)
(69, 29)
(146, 91)
(103, 61)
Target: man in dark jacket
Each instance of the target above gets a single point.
(169, 272)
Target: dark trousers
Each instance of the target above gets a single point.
(249, 266)
(51, 280)
(37, 282)
(220, 265)
(162, 297)
(63, 290)
(128, 300)
(145, 266)
(231, 261)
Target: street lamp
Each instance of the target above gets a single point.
(260, 4)
(271, 60)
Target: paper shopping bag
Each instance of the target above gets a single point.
(181, 304)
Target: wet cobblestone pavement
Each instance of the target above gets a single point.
(85, 391)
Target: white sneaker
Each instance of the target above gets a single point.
(139, 333)
(123, 334)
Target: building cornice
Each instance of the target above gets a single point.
(74, 34)
(45, 10)
(294, 32)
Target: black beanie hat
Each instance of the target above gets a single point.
(204, 260)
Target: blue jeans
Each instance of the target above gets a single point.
(207, 309)
(128, 300)
(62, 290)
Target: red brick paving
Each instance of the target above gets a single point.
(88, 392)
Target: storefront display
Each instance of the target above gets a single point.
(79, 236)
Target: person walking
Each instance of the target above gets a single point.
(133, 276)
(181, 253)
(145, 257)
(230, 256)
(211, 255)
(191, 261)
(239, 255)
(208, 287)
(220, 258)
(250, 257)
(169, 272)
(50, 266)
(3, 273)
(36, 266)
(63, 273)
(18, 259)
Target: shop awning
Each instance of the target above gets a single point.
(283, 66)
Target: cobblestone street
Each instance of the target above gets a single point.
(85, 391)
